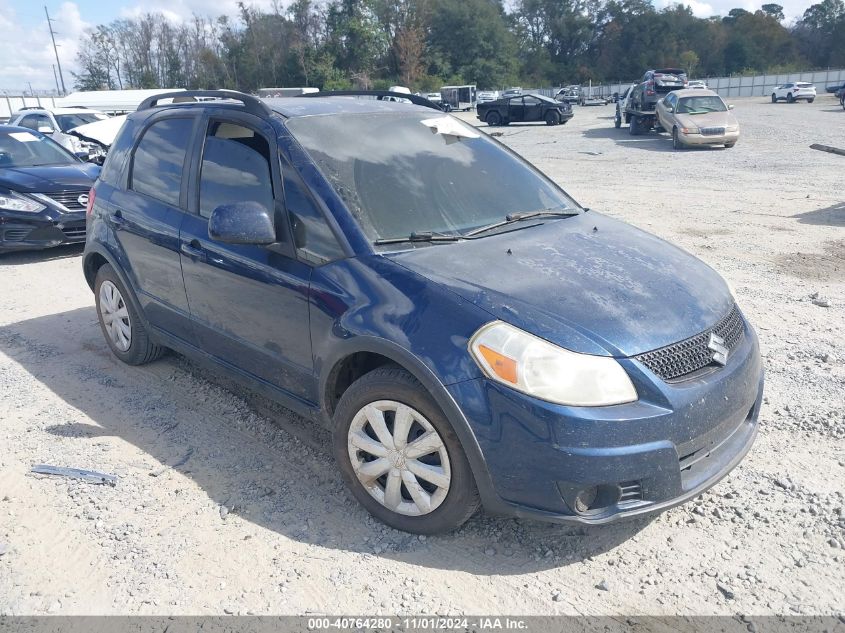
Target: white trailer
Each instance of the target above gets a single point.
(459, 97)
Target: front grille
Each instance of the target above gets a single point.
(712, 131)
(74, 232)
(69, 199)
(679, 360)
(15, 235)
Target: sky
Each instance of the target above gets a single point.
(27, 52)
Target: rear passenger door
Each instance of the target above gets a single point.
(249, 303)
(145, 218)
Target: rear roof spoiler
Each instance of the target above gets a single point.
(252, 104)
(378, 94)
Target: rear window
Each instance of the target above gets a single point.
(803, 85)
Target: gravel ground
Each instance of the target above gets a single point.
(228, 504)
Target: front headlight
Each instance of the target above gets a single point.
(12, 201)
(690, 130)
(538, 368)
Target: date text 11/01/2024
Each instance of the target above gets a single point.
(433, 623)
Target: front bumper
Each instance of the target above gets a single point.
(42, 230)
(708, 139)
(677, 441)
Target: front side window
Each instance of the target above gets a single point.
(531, 101)
(409, 172)
(313, 238)
(235, 168)
(159, 158)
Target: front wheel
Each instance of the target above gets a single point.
(552, 118)
(634, 127)
(774, 98)
(790, 98)
(125, 333)
(677, 143)
(400, 456)
(493, 119)
(729, 145)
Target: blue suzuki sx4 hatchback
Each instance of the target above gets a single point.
(470, 335)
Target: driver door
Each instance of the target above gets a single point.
(516, 111)
(533, 108)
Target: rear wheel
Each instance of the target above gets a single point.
(774, 98)
(810, 100)
(400, 456)
(617, 122)
(120, 323)
(552, 118)
(634, 128)
(493, 119)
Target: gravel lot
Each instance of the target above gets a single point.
(228, 504)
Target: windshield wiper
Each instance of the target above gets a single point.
(421, 236)
(518, 217)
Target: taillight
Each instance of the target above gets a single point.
(649, 88)
(91, 195)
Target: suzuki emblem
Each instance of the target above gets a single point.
(716, 344)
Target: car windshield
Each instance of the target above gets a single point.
(701, 105)
(26, 149)
(69, 121)
(419, 172)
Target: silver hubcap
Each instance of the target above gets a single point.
(399, 458)
(115, 316)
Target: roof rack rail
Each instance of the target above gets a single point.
(379, 94)
(253, 105)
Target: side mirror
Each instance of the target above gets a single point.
(242, 223)
(45, 129)
(730, 106)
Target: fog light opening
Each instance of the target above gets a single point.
(585, 499)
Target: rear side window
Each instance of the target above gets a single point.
(235, 168)
(159, 158)
(117, 154)
(35, 121)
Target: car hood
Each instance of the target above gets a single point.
(102, 132)
(710, 119)
(49, 178)
(588, 283)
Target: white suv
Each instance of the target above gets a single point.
(56, 122)
(794, 91)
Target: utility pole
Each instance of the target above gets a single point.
(56, 77)
(55, 49)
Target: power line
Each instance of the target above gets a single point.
(55, 49)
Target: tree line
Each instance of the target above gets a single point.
(423, 44)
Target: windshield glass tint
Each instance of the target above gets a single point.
(398, 175)
(25, 149)
(696, 105)
(70, 121)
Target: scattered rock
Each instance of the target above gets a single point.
(726, 591)
(3, 548)
(557, 597)
(223, 512)
(490, 551)
(603, 586)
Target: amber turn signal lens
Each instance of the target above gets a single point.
(504, 367)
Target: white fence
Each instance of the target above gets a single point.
(746, 86)
(11, 104)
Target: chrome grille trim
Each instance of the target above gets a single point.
(68, 199)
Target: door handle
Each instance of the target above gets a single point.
(117, 218)
(192, 250)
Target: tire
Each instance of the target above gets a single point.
(790, 98)
(774, 98)
(120, 323)
(676, 141)
(493, 119)
(552, 118)
(381, 395)
(634, 127)
(729, 145)
(617, 122)
(810, 100)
